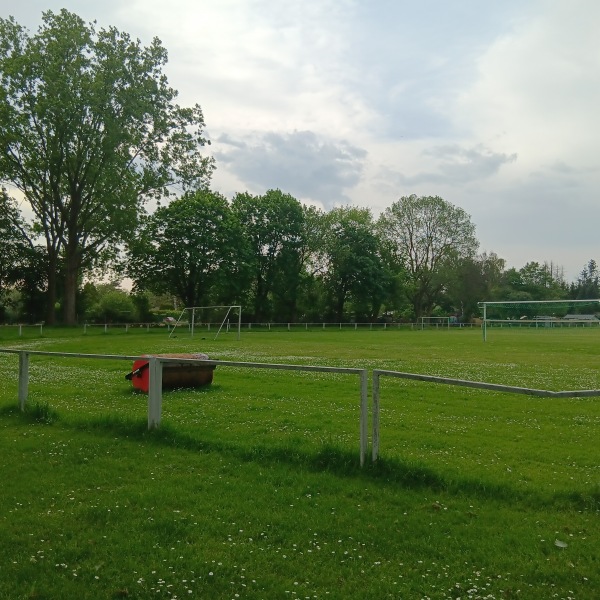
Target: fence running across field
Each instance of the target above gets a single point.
(155, 365)
(21, 329)
(495, 387)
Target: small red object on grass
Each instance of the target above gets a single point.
(174, 375)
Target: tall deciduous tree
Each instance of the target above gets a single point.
(355, 271)
(474, 280)
(14, 248)
(273, 226)
(190, 248)
(90, 130)
(588, 282)
(22, 265)
(427, 234)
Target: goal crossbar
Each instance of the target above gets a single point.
(193, 310)
(562, 302)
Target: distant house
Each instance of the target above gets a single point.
(580, 318)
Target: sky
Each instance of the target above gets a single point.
(494, 106)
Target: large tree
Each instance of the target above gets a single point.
(355, 272)
(190, 248)
(588, 282)
(90, 130)
(427, 235)
(273, 227)
(474, 280)
(14, 247)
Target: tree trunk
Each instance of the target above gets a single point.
(52, 287)
(70, 291)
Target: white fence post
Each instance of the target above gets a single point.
(154, 392)
(23, 378)
(364, 414)
(375, 392)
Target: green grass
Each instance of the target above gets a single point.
(252, 488)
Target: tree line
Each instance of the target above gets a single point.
(92, 134)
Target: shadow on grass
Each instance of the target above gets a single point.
(327, 458)
(344, 463)
(36, 412)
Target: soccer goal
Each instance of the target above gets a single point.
(209, 319)
(435, 322)
(540, 314)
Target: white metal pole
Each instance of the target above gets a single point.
(154, 392)
(364, 414)
(375, 416)
(484, 322)
(23, 379)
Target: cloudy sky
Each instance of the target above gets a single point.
(493, 105)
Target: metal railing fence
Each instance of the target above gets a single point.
(155, 366)
(40, 329)
(376, 391)
(155, 385)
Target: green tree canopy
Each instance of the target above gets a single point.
(90, 130)
(189, 248)
(273, 227)
(588, 282)
(427, 234)
(22, 265)
(354, 270)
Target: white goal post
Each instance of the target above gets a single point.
(535, 320)
(195, 312)
(435, 321)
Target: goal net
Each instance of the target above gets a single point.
(209, 320)
(434, 322)
(540, 314)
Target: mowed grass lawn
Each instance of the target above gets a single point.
(252, 488)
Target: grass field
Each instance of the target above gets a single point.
(252, 488)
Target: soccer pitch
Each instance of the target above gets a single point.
(252, 489)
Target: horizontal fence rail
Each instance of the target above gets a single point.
(155, 365)
(29, 330)
(378, 373)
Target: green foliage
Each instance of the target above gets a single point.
(143, 309)
(22, 267)
(427, 235)
(470, 281)
(113, 306)
(354, 269)
(273, 230)
(90, 130)
(190, 248)
(588, 283)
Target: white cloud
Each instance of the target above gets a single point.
(311, 167)
(492, 106)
